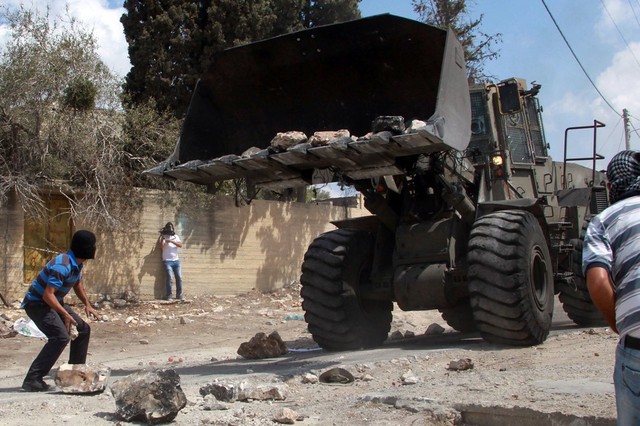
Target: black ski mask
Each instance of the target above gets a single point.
(83, 244)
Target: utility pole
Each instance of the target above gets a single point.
(627, 130)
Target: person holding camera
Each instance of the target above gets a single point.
(170, 243)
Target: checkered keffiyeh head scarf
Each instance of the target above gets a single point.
(623, 174)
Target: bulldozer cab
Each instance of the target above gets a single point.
(506, 121)
(509, 100)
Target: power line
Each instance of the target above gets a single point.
(630, 124)
(620, 32)
(611, 133)
(578, 60)
(634, 130)
(634, 12)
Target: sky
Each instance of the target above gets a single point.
(603, 34)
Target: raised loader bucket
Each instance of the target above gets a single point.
(334, 77)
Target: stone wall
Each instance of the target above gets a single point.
(11, 249)
(227, 249)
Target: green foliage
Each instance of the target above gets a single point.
(316, 192)
(62, 126)
(316, 13)
(149, 138)
(49, 64)
(171, 42)
(478, 46)
(244, 192)
(80, 94)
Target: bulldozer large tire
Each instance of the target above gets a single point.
(510, 278)
(335, 267)
(460, 317)
(575, 298)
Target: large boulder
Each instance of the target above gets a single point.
(262, 346)
(154, 396)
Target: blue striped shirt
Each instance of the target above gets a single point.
(612, 242)
(62, 272)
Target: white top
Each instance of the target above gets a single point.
(612, 242)
(170, 250)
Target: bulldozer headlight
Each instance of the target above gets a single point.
(498, 166)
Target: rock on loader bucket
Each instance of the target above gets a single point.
(340, 76)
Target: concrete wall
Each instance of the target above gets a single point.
(11, 249)
(227, 249)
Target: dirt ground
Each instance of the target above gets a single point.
(566, 380)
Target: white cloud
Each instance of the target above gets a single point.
(615, 70)
(619, 82)
(95, 16)
(4, 35)
(574, 109)
(620, 78)
(569, 99)
(618, 11)
(106, 26)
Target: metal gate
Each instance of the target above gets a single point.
(46, 238)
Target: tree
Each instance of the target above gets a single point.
(171, 41)
(316, 13)
(478, 45)
(60, 117)
(149, 138)
(80, 94)
(317, 192)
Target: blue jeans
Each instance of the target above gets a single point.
(173, 268)
(626, 378)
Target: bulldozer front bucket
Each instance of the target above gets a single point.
(339, 76)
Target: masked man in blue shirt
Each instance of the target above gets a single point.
(44, 304)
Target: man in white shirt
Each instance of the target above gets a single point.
(611, 262)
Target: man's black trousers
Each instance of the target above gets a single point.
(52, 325)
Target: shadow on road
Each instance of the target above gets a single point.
(307, 356)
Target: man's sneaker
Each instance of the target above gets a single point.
(180, 297)
(35, 385)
